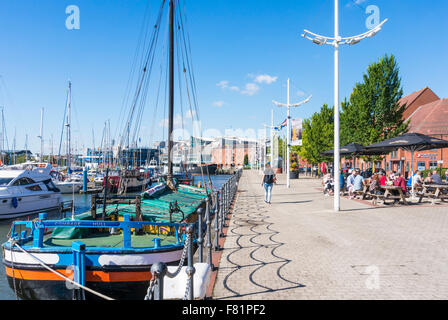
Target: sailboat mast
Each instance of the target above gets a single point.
(68, 124)
(42, 135)
(3, 137)
(171, 96)
(26, 148)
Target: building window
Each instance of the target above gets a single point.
(421, 166)
(433, 165)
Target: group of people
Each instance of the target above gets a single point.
(353, 181)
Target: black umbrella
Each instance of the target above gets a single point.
(410, 142)
(352, 149)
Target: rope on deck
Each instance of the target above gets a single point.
(59, 274)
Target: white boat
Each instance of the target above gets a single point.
(68, 186)
(27, 190)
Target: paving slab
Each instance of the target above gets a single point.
(299, 248)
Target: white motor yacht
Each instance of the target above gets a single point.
(27, 190)
(66, 185)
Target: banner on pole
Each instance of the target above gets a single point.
(296, 132)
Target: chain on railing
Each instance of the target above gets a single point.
(160, 269)
(221, 203)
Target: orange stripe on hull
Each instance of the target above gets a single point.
(91, 276)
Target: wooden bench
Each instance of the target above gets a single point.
(388, 194)
(434, 192)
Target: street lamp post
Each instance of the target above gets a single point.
(336, 41)
(271, 127)
(288, 105)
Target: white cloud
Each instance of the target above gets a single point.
(225, 85)
(190, 114)
(354, 2)
(265, 78)
(177, 121)
(250, 89)
(218, 104)
(300, 93)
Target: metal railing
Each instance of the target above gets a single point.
(217, 207)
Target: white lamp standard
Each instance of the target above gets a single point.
(335, 42)
(288, 129)
(271, 127)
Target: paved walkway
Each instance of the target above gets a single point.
(298, 248)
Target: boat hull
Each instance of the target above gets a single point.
(32, 281)
(68, 188)
(28, 205)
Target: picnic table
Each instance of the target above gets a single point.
(364, 192)
(434, 192)
(390, 194)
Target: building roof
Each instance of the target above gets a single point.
(417, 99)
(431, 118)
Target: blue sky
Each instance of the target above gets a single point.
(233, 43)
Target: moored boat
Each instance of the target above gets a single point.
(118, 246)
(27, 190)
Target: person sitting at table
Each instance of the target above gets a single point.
(382, 178)
(350, 183)
(400, 182)
(436, 178)
(342, 180)
(391, 176)
(409, 183)
(357, 183)
(328, 184)
(417, 180)
(374, 187)
(428, 179)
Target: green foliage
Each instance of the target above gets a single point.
(317, 135)
(246, 159)
(373, 113)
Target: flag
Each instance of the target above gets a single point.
(282, 125)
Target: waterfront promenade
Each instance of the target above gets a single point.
(298, 248)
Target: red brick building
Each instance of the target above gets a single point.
(427, 114)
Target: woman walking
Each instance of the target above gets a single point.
(268, 182)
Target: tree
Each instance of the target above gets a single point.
(317, 135)
(246, 160)
(373, 113)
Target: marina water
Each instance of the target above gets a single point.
(82, 204)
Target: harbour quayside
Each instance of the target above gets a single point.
(109, 250)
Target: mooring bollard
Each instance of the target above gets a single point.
(200, 241)
(79, 269)
(209, 235)
(158, 271)
(190, 269)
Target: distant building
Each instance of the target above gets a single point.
(231, 151)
